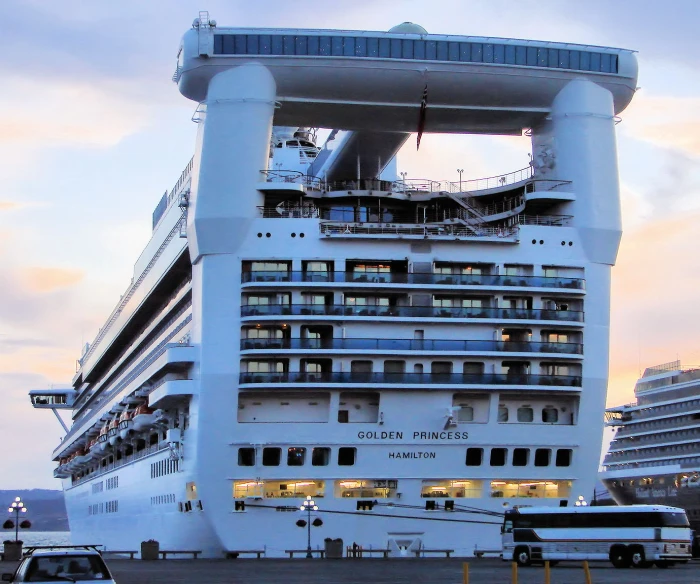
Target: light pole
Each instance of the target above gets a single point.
(17, 508)
(309, 505)
(460, 171)
(403, 180)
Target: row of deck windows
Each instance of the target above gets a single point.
(389, 488)
(320, 456)
(414, 49)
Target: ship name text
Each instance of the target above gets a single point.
(398, 435)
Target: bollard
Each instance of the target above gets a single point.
(465, 573)
(547, 575)
(514, 572)
(587, 572)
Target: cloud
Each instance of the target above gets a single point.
(665, 121)
(66, 113)
(50, 279)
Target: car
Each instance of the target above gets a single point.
(78, 564)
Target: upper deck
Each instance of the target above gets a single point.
(364, 80)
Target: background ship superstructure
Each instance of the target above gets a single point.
(409, 353)
(655, 454)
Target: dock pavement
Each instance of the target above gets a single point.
(377, 571)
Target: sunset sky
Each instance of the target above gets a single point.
(93, 131)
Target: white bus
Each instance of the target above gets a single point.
(632, 535)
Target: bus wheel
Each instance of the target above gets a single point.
(663, 564)
(619, 556)
(637, 558)
(522, 556)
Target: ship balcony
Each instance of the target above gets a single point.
(423, 312)
(53, 399)
(407, 345)
(171, 393)
(561, 284)
(674, 450)
(650, 430)
(415, 380)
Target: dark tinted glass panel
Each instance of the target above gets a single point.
(477, 52)
(419, 49)
(542, 456)
(246, 457)
(253, 45)
(499, 54)
(510, 54)
(488, 53)
(337, 46)
(407, 49)
(520, 55)
(520, 456)
(296, 456)
(542, 57)
(474, 456)
(553, 58)
(585, 61)
(431, 50)
(595, 61)
(564, 59)
(346, 456)
(384, 48)
(395, 48)
(613, 63)
(598, 520)
(239, 44)
(265, 44)
(465, 52)
(532, 56)
(312, 45)
(228, 44)
(320, 456)
(360, 47)
(564, 457)
(372, 47)
(453, 51)
(301, 47)
(276, 48)
(271, 456)
(289, 42)
(349, 46)
(498, 456)
(218, 44)
(442, 50)
(574, 59)
(324, 46)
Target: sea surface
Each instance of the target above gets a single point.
(39, 537)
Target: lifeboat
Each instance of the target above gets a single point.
(81, 458)
(125, 423)
(94, 447)
(102, 438)
(144, 417)
(113, 432)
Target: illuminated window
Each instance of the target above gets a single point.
(451, 489)
(296, 456)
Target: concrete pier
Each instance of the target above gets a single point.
(371, 571)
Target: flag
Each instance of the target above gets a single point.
(421, 115)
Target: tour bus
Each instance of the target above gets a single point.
(631, 535)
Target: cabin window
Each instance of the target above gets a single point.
(346, 456)
(525, 414)
(271, 456)
(296, 456)
(498, 456)
(320, 456)
(520, 456)
(246, 457)
(542, 456)
(564, 457)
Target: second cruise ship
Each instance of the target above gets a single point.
(413, 356)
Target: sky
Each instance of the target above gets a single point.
(93, 131)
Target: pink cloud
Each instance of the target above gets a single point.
(50, 279)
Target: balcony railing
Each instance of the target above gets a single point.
(413, 378)
(417, 278)
(410, 345)
(410, 312)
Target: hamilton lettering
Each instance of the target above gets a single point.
(412, 455)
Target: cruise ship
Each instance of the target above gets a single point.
(307, 324)
(655, 454)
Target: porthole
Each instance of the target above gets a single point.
(541, 241)
(563, 243)
(301, 235)
(268, 235)
(534, 241)
(571, 243)
(259, 234)
(294, 235)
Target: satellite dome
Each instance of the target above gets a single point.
(408, 28)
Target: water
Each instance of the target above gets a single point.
(40, 537)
